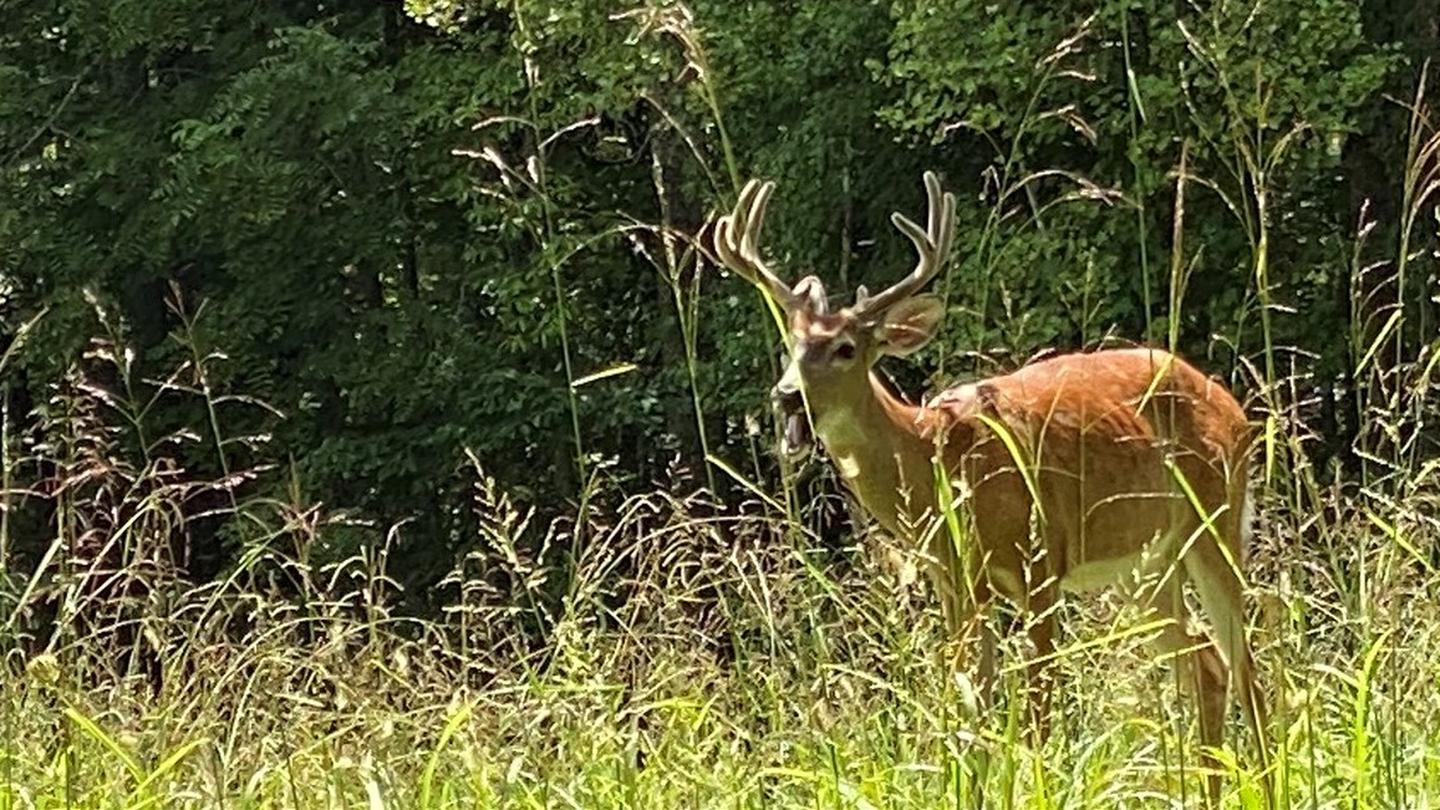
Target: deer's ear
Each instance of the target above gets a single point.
(909, 325)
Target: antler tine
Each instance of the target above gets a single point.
(737, 242)
(932, 243)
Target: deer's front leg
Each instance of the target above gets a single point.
(1042, 672)
(970, 638)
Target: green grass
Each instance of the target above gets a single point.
(699, 667)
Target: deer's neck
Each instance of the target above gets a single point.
(882, 447)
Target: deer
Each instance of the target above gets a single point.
(1115, 467)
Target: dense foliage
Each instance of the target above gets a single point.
(413, 231)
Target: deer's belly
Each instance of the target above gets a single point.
(1096, 575)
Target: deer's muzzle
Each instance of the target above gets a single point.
(797, 438)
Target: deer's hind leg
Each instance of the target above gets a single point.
(1219, 586)
(1198, 667)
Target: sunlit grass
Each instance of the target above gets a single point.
(695, 670)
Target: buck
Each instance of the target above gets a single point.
(1122, 467)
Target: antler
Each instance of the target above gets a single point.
(742, 255)
(932, 244)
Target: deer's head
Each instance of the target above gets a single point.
(832, 352)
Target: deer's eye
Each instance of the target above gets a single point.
(845, 351)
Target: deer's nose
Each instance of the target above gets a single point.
(787, 401)
(789, 384)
